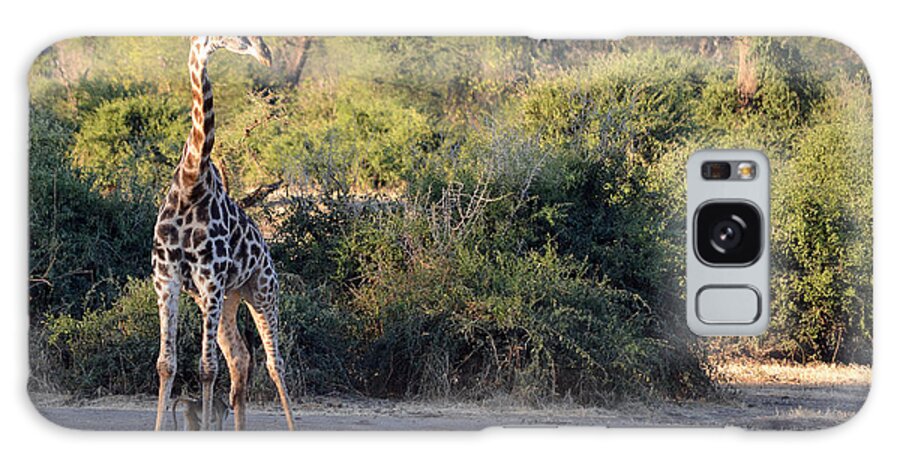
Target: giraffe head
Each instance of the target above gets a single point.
(253, 46)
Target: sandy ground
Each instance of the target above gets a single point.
(754, 406)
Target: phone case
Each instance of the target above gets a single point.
(419, 233)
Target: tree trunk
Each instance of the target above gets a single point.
(297, 60)
(747, 83)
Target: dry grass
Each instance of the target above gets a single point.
(753, 372)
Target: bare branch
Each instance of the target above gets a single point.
(259, 194)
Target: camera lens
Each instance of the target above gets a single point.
(728, 233)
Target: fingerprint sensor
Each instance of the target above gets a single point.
(723, 304)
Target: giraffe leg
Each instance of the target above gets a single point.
(209, 363)
(265, 316)
(167, 291)
(236, 356)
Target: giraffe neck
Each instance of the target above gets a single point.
(202, 138)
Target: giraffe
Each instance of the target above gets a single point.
(204, 244)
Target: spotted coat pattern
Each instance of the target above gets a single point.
(206, 245)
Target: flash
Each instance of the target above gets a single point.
(746, 170)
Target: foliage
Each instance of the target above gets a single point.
(348, 138)
(603, 131)
(313, 233)
(452, 317)
(644, 100)
(141, 136)
(823, 283)
(113, 351)
(83, 244)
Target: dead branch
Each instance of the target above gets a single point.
(259, 194)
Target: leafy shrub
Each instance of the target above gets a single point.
(131, 145)
(83, 245)
(790, 87)
(349, 136)
(450, 317)
(114, 350)
(608, 131)
(311, 232)
(823, 247)
(646, 95)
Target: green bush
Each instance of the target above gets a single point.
(452, 315)
(347, 137)
(790, 86)
(645, 100)
(83, 245)
(605, 132)
(114, 350)
(131, 145)
(312, 231)
(823, 247)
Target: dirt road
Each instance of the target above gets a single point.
(752, 406)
